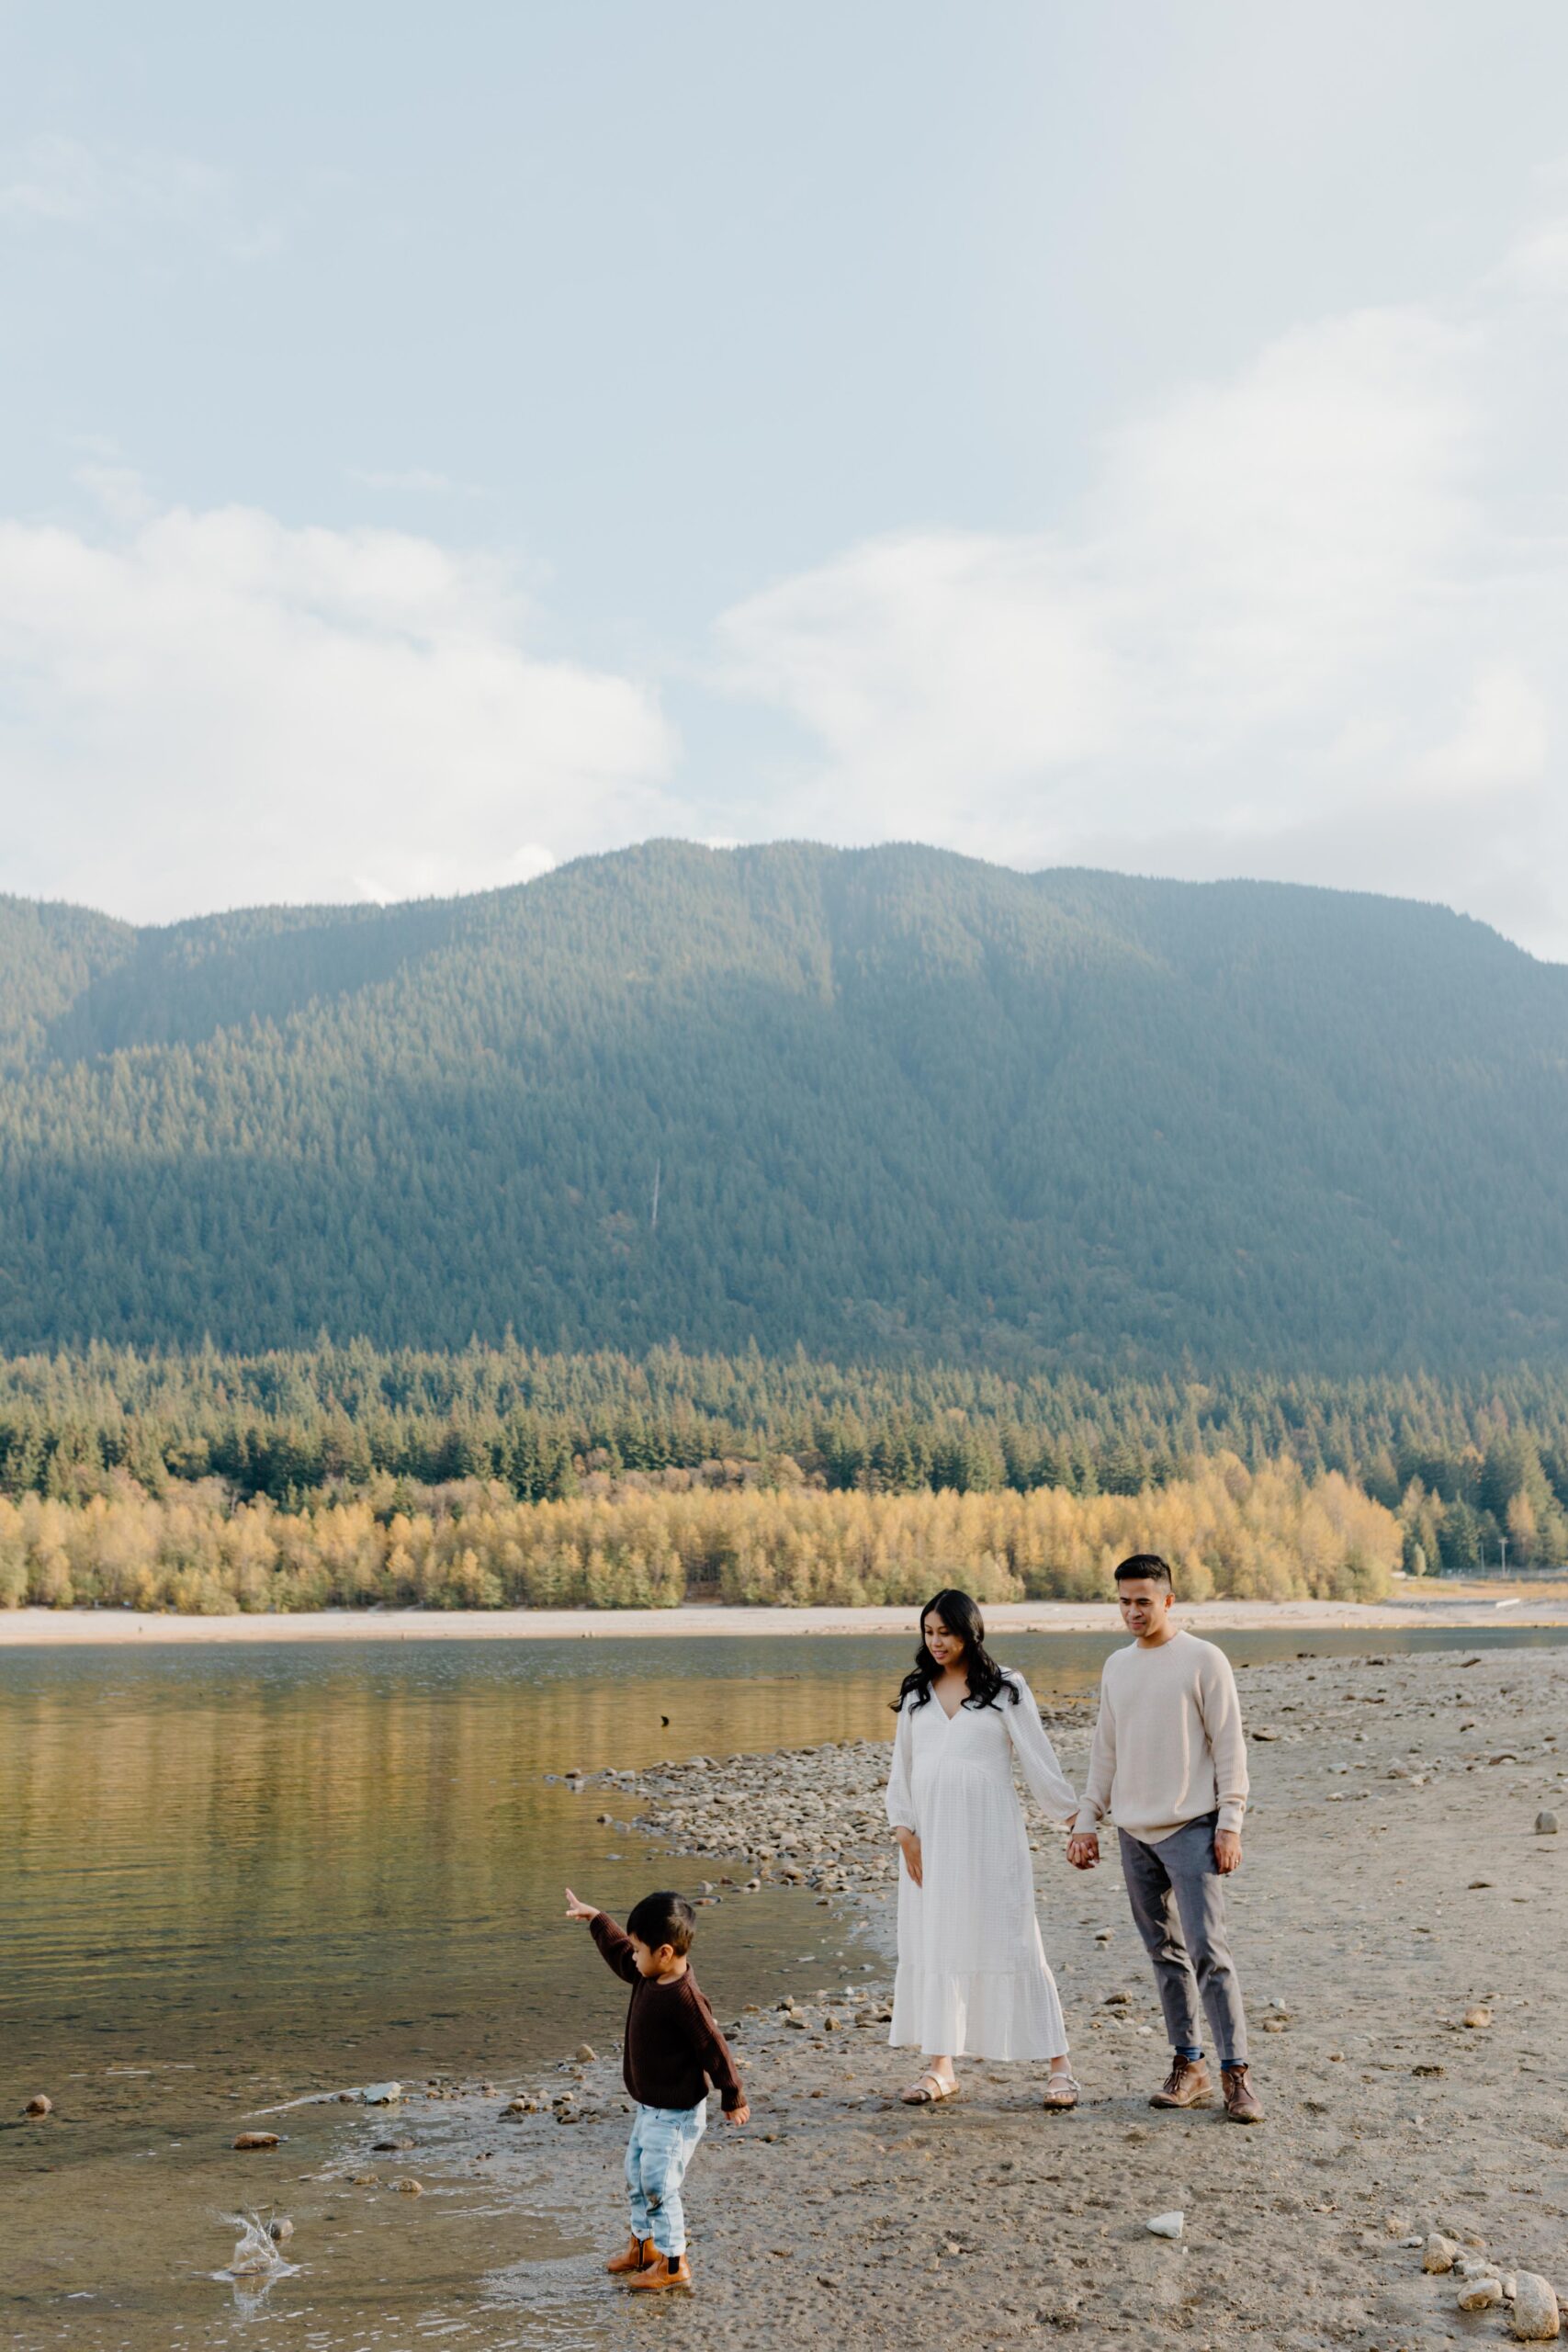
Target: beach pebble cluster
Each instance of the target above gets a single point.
(811, 1817)
(1483, 2285)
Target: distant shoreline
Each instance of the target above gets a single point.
(59, 1628)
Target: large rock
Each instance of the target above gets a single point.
(1536, 2319)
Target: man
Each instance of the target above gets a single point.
(1170, 1760)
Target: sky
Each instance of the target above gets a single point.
(438, 443)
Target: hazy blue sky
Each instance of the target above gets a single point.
(437, 442)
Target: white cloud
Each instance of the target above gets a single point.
(1302, 624)
(417, 481)
(212, 709)
(118, 195)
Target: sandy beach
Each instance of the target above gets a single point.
(1395, 1884)
(1451, 1603)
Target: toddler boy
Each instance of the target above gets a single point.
(674, 2050)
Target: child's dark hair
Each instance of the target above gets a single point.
(1149, 1564)
(664, 1918)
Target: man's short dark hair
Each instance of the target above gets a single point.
(664, 1918)
(1146, 1563)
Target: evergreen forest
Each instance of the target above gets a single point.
(890, 1106)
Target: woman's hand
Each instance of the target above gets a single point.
(576, 1910)
(909, 1847)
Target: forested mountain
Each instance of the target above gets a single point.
(882, 1104)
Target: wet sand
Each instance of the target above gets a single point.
(1543, 1602)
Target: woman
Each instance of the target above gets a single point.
(972, 1975)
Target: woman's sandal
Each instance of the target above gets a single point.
(1061, 2104)
(919, 2095)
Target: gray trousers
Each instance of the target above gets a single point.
(1178, 1907)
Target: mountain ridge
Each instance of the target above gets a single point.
(896, 1102)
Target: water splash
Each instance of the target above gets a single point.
(257, 2256)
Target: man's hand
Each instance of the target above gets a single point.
(1227, 1851)
(741, 2114)
(1083, 1848)
(909, 1847)
(576, 1910)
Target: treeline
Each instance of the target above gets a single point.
(1466, 1468)
(1273, 1534)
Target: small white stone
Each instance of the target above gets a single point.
(1165, 2225)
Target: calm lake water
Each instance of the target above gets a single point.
(235, 1876)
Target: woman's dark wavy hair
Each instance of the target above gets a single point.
(961, 1616)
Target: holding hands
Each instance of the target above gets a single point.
(1083, 1849)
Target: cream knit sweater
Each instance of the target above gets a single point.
(1168, 1745)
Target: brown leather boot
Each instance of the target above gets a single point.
(662, 2270)
(1187, 2085)
(639, 2252)
(1241, 2100)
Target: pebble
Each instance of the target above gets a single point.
(1546, 1825)
(1536, 2318)
(410, 2188)
(281, 2230)
(1441, 2253)
(255, 2140)
(1480, 2015)
(1480, 2294)
(381, 2094)
(41, 2105)
(1165, 2225)
(586, 2054)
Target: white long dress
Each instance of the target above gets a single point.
(972, 1972)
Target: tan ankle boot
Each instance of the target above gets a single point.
(1187, 2085)
(638, 2251)
(1242, 2102)
(663, 2270)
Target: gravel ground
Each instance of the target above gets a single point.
(1395, 1883)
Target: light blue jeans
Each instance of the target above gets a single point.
(664, 2141)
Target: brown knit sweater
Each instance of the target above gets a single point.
(673, 2050)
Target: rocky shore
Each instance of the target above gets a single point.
(1399, 1921)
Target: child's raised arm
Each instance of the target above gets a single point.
(617, 1949)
